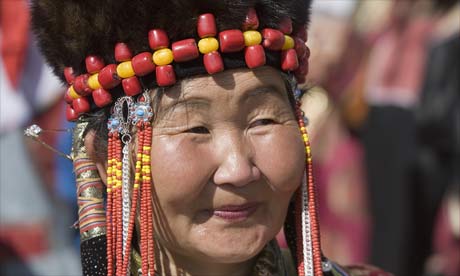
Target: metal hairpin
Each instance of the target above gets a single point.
(34, 131)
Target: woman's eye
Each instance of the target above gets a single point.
(262, 122)
(198, 130)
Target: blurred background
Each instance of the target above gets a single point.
(384, 112)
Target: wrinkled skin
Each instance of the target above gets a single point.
(227, 139)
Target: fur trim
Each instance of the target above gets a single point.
(69, 30)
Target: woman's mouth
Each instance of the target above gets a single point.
(235, 212)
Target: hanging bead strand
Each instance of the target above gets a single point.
(311, 193)
(150, 213)
(109, 204)
(118, 207)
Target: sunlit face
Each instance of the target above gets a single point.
(227, 156)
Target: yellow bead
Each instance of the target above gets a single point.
(72, 93)
(288, 43)
(303, 129)
(109, 190)
(146, 147)
(93, 82)
(208, 45)
(136, 186)
(252, 38)
(125, 70)
(163, 56)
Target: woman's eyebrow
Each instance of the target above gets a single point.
(262, 91)
(192, 103)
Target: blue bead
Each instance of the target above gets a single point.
(140, 112)
(115, 122)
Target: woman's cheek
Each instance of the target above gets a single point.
(280, 157)
(178, 170)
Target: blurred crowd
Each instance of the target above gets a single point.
(383, 104)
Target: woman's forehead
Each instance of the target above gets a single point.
(234, 84)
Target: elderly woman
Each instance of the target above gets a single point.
(190, 150)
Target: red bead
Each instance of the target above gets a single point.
(213, 62)
(273, 39)
(81, 85)
(231, 41)
(108, 77)
(206, 25)
(300, 48)
(67, 97)
(158, 39)
(252, 21)
(286, 25)
(165, 75)
(303, 67)
(254, 56)
(131, 86)
(122, 52)
(289, 60)
(94, 64)
(102, 97)
(70, 114)
(68, 74)
(301, 33)
(143, 64)
(185, 50)
(81, 105)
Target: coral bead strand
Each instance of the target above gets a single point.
(144, 211)
(118, 204)
(109, 206)
(150, 213)
(312, 204)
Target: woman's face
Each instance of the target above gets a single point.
(226, 156)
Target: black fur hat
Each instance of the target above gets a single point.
(70, 30)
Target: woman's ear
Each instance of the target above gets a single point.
(101, 163)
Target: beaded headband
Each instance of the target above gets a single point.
(95, 85)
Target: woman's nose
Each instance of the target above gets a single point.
(236, 166)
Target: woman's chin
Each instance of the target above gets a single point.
(229, 246)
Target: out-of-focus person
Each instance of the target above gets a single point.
(438, 136)
(34, 240)
(393, 84)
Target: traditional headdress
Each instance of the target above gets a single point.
(111, 52)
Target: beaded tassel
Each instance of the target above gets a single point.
(307, 227)
(110, 181)
(113, 211)
(118, 208)
(147, 242)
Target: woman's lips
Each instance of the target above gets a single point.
(235, 212)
